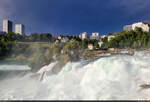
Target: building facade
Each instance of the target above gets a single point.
(100, 43)
(7, 26)
(110, 37)
(144, 26)
(65, 39)
(95, 35)
(127, 28)
(20, 29)
(90, 46)
(103, 36)
(84, 35)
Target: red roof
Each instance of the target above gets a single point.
(55, 37)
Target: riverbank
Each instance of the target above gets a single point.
(39, 55)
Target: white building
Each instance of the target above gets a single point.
(100, 43)
(110, 37)
(95, 35)
(90, 46)
(65, 39)
(144, 26)
(84, 35)
(127, 28)
(59, 37)
(19, 29)
(7, 26)
(103, 36)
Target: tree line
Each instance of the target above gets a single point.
(130, 39)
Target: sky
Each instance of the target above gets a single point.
(74, 16)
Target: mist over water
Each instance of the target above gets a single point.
(116, 77)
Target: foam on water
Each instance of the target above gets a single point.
(116, 77)
(14, 67)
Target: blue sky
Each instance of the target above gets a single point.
(74, 16)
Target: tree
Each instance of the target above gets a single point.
(6, 43)
(96, 44)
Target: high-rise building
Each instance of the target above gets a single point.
(7, 26)
(19, 29)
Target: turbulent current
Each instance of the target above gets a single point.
(117, 77)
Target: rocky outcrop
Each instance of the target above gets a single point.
(63, 60)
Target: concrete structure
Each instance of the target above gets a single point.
(103, 36)
(65, 39)
(100, 43)
(95, 35)
(144, 26)
(127, 28)
(90, 46)
(110, 37)
(19, 29)
(84, 35)
(7, 26)
(59, 37)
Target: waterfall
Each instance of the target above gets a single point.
(116, 77)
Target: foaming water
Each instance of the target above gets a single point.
(117, 77)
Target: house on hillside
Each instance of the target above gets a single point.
(95, 35)
(100, 43)
(84, 35)
(59, 37)
(65, 39)
(90, 46)
(127, 28)
(144, 26)
(103, 36)
(110, 37)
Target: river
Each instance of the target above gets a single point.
(111, 78)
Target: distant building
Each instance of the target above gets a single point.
(80, 36)
(116, 34)
(90, 46)
(100, 43)
(84, 35)
(110, 37)
(65, 39)
(95, 35)
(144, 26)
(7, 26)
(20, 29)
(59, 37)
(127, 28)
(103, 36)
(54, 37)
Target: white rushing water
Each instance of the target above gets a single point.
(118, 77)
